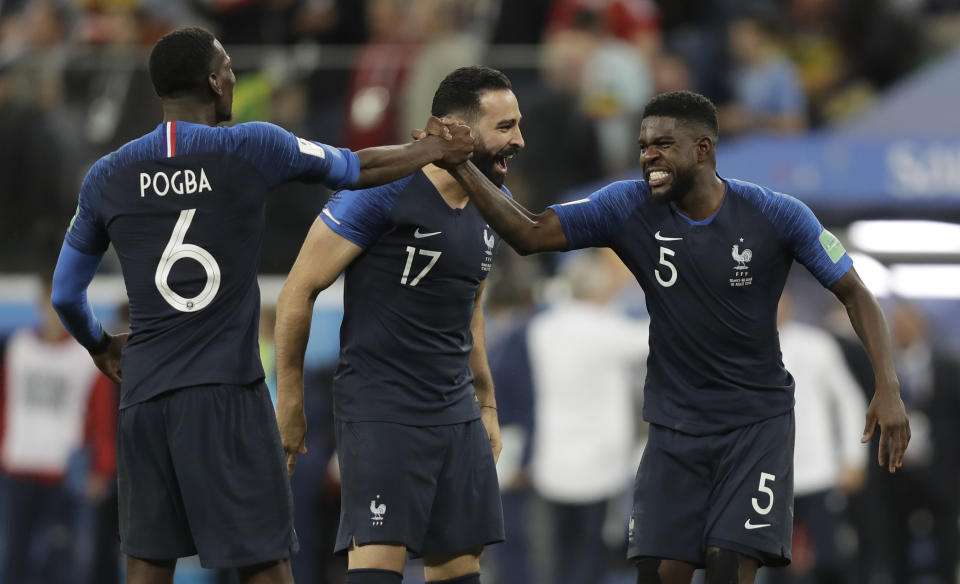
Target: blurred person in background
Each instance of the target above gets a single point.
(615, 82)
(507, 313)
(829, 461)
(915, 539)
(582, 353)
(767, 96)
(379, 75)
(671, 73)
(192, 381)
(448, 40)
(719, 402)
(636, 22)
(53, 404)
(574, 157)
(35, 136)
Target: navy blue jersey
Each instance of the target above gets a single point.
(408, 302)
(712, 289)
(183, 207)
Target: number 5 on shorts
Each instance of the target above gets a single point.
(763, 488)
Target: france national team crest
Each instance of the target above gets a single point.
(490, 239)
(741, 270)
(378, 510)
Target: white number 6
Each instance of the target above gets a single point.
(763, 488)
(177, 250)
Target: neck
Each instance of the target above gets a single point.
(191, 110)
(447, 186)
(704, 198)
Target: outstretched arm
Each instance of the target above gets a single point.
(886, 408)
(445, 142)
(482, 379)
(322, 258)
(526, 232)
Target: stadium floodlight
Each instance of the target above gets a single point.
(905, 236)
(875, 275)
(925, 280)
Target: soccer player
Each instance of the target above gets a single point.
(201, 466)
(714, 488)
(416, 418)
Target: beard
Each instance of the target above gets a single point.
(682, 183)
(484, 161)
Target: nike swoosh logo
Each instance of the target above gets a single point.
(419, 235)
(662, 238)
(748, 525)
(330, 215)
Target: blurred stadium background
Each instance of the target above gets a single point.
(849, 105)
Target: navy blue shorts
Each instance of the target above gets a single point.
(733, 491)
(431, 488)
(201, 470)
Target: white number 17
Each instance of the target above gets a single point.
(412, 251)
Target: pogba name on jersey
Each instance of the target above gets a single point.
(181, 182)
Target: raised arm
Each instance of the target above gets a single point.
(322, 258)
(886, 408)
(526, 232)
(482, 379)
(445, 143)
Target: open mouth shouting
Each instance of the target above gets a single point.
(658, 177)
(500, 160)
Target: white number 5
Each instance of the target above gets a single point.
(177, 250)
(763, 488)
(664, 252)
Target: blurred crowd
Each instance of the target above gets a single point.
(356, 73)
(73, 82)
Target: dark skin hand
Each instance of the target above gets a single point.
(108, 360)
(886, 408)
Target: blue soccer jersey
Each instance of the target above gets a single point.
(183, 207)
(712, 289)
(408, 301)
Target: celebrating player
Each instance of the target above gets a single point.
(416, 419)
(200, 459)
(714, 487)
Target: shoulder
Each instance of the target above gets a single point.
(253, 130)
(633, 190)
(104, 168)
(775, 206)
(629, 192)
(380, 197)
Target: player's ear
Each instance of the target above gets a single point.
(704, 148)
(214, 83)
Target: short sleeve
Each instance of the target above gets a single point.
(812, 245)
(86, 232)
(594, 221)
(281, 156)
(362, 216)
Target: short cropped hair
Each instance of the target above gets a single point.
(459, 92)
(685, 106)
(180, 62)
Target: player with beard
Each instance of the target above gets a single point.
(714, 488)
(200, 463)
(416, 419)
